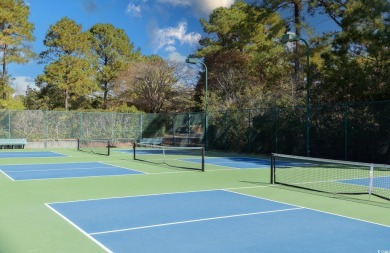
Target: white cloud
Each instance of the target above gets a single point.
(168, 37)
(170, 49)
(20, 84)
(207, 6)
(176, 2)
(203, 7)
(134, 10)
(136, 7)
(176, 57)
(198, 7)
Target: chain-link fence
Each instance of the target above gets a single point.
(350, 131)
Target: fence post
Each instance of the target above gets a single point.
(81, 126)
(113, 141)
(9, 124)
(140, 126)
(346, 105)
(173, 128)
(276, 128)
(46, 127)
(189, 128)
(249, 130)
(225, 132)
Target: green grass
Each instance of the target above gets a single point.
(27, 225)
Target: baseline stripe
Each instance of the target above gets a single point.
(64, 169)
(199, 220)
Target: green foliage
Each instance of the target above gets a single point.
(247, 64)
(15, 33)
(242, 56)
(357, 67)
(123, 108)
(70, 66)
(13, 103)
(48, 97)
(243, 27)
(65, 37)
(114, 51)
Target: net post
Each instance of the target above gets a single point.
(134, 151)
(108, 148)
(371, 182)
(272, 179)
(203, 155)
(78, 144)
(163, 149)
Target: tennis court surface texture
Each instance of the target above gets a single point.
(64, 200)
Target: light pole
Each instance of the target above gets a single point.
(290, 37)
(196, 61)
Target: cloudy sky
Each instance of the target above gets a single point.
(169, 28)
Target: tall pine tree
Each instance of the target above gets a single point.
(15, 31)
(70, 64)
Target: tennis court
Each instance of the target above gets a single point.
(160, 202)
(332, 176)
(380, 182)
(217, 221)
(242, 162)
(187, 156)
(227, 162)
(63, 170)
(29, 154)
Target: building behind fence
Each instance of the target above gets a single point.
(349, 131)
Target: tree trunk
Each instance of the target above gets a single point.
(105, 95)
(4, 75)
(297, 25)
(66, 98)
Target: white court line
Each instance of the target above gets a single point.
(79, 229)
(198, 220)
(58, 153)
(74, 177)
(72, 168)
(64, 169)
(257, 197)
(312, 209)
(123, 167)
(7, 175)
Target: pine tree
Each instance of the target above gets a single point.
(15, 31)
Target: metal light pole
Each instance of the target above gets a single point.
(290, 37)
(196, 61)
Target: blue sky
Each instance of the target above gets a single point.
(169, 28)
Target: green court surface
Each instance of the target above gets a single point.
(28, 225)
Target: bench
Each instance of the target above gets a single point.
(12, 143)
(152, 141)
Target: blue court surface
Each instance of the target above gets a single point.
(157, 152)
(232, 162)
(243, 162)
(217, 221)
(63, 170)
(378, 182)
(29, 154)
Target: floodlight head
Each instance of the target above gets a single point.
(192, 60)
(290, 37)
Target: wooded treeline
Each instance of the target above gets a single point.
(99, 68)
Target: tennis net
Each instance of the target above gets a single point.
(331, 176)
(96, 146)
(177, 157)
